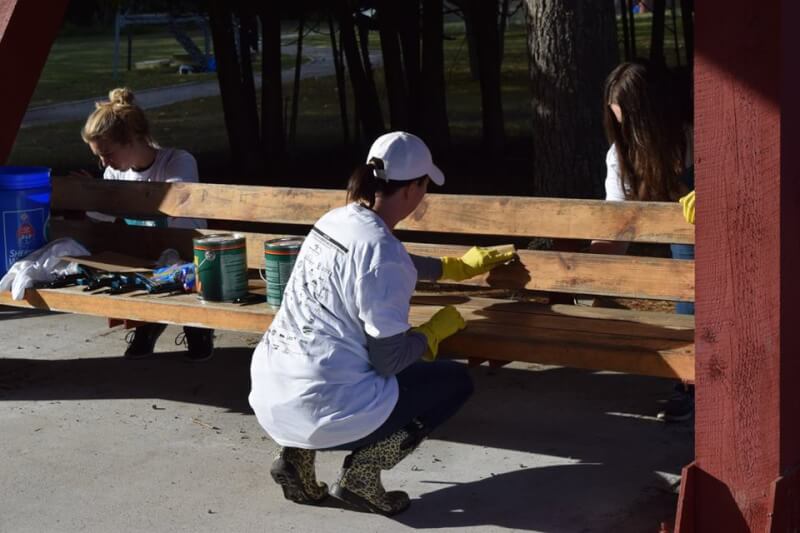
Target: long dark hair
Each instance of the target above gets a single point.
(363, 184)
(650, 140)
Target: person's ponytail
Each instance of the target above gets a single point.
(369, 179)
(362, 185)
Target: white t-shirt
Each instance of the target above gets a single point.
(615, 190)
(312, 383)
(170, 165)
(614, 187)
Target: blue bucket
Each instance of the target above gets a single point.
(24, 212)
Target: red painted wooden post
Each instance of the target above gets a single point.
(747, 157)
(27, 30)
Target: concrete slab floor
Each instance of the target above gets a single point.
(92, 442)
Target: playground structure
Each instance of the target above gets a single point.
(200, 59)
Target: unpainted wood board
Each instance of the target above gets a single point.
(508, 314)
(488, 334)
(113, 262)
(578, 273)
(515, 216)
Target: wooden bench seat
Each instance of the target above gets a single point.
(603, 339)
(500, 329)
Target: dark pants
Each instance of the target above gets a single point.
(683, 251)
(430, 393)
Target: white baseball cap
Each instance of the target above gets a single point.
(405, 157)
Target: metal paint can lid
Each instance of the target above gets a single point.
(283, 244)
(218, 240)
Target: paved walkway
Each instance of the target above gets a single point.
(95, 443)
(319, 64)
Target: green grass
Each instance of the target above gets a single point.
(319, 156)
(644, 25)
(81, 67)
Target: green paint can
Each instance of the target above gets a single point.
(220, 262)
(279, 259)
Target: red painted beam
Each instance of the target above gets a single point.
(27, 30)
(747, 161)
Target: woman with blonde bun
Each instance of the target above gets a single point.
(118, 133)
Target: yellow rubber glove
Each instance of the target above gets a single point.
(688, 207)
(476, 261)
(444, 323)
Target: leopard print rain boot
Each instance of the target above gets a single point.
(293, 470)
(359, 483)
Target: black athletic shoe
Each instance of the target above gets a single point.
(142, 340)
(680, 406)
(199, 343)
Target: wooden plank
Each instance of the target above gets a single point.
(619, 276)
(669, 363)
(511, 216)
(184, 309)
(113, 262)
(583, 273)
(601, 321)
(493, 331)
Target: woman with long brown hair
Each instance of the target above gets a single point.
(647, 120)
(646, 124)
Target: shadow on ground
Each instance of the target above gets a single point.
(601, 422)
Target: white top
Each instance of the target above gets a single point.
(615, 191)
(614, 188)
(170, 165)
(312, 383)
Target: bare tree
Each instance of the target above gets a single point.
(234, 71)
(273, 144)
(367, 104)
(487, 36)
(657, 33)
(435, 127)
(396, 83)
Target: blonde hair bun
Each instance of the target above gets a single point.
(121, 96)
(118, 119)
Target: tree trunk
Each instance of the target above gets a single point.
(484, 20)
(247, 95)
(242, 137)
(408, 15)
(298, 64)
(396, 91)
(472, 45)
(687, 17)
(504, 14)
(433, 99)
(573, 47)
(626, 34)
(631, 24)
(657, 33)
(273, 145)
(366, 98)
(341, 86)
